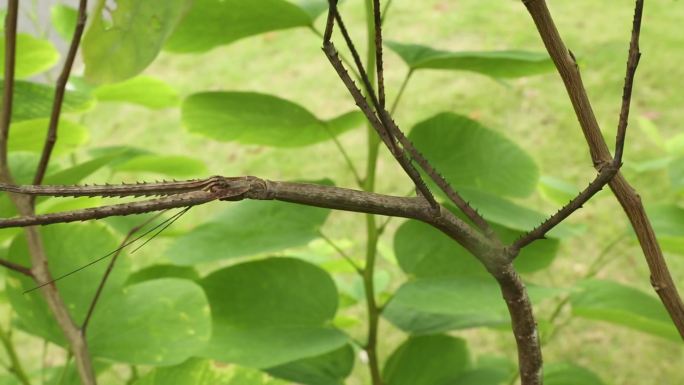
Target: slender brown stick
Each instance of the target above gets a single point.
(606, 174)
(379, 66)
(110, 267)
(16, 267)
(661, 279)
(632, 63)
(8, 84)
(60, 89)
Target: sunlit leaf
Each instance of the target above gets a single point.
(122, 41)
(163, 271)
(204, 372)
(29, 135)
(270, 312)
(470, 155)
(143, 90)
(171, 165)
(427, 360)
(211, 23)
(497, 64)
(34, 100)
(33, 56)
(556, 190)
(64, 20)
(253, 118)
(622, 305)
(668, 224)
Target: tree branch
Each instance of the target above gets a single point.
(16, 267)
(8, 84)
(661, 279)
(60, 88)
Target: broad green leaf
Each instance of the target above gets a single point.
(557, 190)
(75, 174)
(622, 305)
(211, 23)
(497, 64)
(249, 228)
(513, 216)
(121, 42)
(64, 20)
(569, 374)
(159, 322)
(434, 305)
(270, 312)
(253, 118)
(29, 135)
(163, 271)
(650, 165)
(66, 251)
(171, 165)
(34, 100)
(197, 371)
(427, 360)
(675, 145)
(668, 224)
(143, 90)
(470, 155)
(314, 8)
(484, 376)
(327, 369)
(423, 251)
(33, 56)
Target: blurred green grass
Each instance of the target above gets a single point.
(535, 112)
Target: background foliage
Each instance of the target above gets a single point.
(235, 87)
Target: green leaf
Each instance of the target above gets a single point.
(470, 155)
(33, 56)
(427, 360)
(159, 322)
(513, 216)
(163, 271)
(64, 19)
(211, 23)
(676, 173)
(314, 8)
(422, 251)
(66, 251)
(270, 312)
(249, 228)
(197, 371)
(34, 100)
(434, 305)
(75, 174)
(497, 64)
(120, 43)
(569, 374)
(253, 118)
(668, 224)
(557, 190)
(327, 369)
(142, 90)
(171, 165)
(29, 135)
(622, 305)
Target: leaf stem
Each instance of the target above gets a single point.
(402, 88)
(15, 366)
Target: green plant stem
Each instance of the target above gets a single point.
(341, 252)
(372, 232)
(402, 88)
(15, 366)
(347, 159)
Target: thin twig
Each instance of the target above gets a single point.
(379, 65)
(8, 84)
(16, 267)
(606, 174)
(110, 267)
(341, 252)
(661, 279)
(632, 64)
(60, 89)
